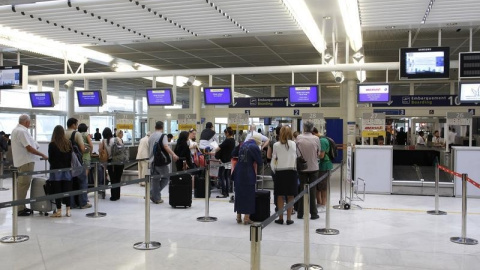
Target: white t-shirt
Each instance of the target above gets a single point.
(192, 145)
(420, 140)
(283, 158)
(250, 135)
(20, 139)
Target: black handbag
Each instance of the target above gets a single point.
(301, 162)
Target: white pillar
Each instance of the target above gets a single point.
(197, 102)
(351, 106)
(71, 101)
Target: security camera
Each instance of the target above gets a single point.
(68, 84)
(339, 77)
(190, 81)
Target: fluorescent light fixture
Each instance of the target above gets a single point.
(351, 20)
(302, 15)
(361, 74)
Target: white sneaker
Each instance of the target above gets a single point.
(322, 209)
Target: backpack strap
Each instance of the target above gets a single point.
(160, 141)
(72, 137)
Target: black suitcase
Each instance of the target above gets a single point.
(180, 190)
(199, 188)
(262, 206)
(38, 190)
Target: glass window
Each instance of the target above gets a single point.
(432, 88)
(100, 122)
(8, 122)
(45, 125)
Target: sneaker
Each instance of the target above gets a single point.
(157, 202)
(87, 205)
(322, 209)
(314, 217)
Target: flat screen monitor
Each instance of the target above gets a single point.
(373, 93)
(160, 97)
(298, 94)
(217, 95)
(41, 99)
(424, 63)
(469, 91)
(12, 77)
(89, 98)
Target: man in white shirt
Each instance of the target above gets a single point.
(252, 131)
(141, 154)
(24, 150)
(437, 140)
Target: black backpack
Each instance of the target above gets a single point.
(76, 148)
(160, 155)
(332, 151)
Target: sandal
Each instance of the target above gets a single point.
(58, 213)
(247, 222)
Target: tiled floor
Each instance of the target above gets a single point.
(391, 232)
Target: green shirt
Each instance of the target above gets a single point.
(325, 164)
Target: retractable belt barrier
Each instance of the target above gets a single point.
(447, 170)
(256, 228)
(82, 191)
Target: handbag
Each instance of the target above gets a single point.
(301, 162)
(103, 154)
(77, 168)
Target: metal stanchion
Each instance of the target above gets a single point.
(255, 240)
(147, 244)
(306, 234)
(14, 238)
(1, 172)
(327, 230)
(95, 213)
(463, 239)
(437, 191)
(342, 200)
(207, 218)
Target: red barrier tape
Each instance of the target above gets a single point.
(445, 169)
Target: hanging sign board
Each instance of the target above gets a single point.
(373, 125)
(124, 121)
(238, 119)
(459, 119)
(187, 121)
(316, 118)
(83, 118)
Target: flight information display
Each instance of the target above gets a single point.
(218, 96)
(373, 93)
(159, 97)
(41, 99)
(303, 94)
(89, 98)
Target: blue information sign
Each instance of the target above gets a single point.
(424, 100)
(267, 102)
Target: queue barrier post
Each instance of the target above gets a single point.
(207, 218)
(327, 230)
(95, 213)
(306, 235)
(255, 247)
(1, 172)
(147, 244)
(463, 239)
(14, 238)
(437, 195)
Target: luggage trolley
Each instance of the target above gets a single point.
(353, 194)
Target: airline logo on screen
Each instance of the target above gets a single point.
(88, 93)
(158, 91)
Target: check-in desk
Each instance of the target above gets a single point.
(467, 160)
(414, 170)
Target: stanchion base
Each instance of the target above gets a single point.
(14, 239)
(464, 241)
(436, 213)
(327, 231)
(299, 266)
(146, 246)
(206, 219)
(96, 215)
(3, 189)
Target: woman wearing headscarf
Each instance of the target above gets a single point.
(182, 150)
(244, 177)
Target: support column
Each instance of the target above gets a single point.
(272, 91)
(351, 106)
(197, 102)
(70, 100)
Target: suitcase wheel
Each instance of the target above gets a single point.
(346, 206)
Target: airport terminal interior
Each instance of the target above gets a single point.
(396, 85)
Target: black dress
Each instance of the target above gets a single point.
(183, 152)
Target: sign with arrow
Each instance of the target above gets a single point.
(267, 102)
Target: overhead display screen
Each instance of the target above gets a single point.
(424, 63)
(89, 98)
(41, 99)
(159, 97)
(10, 77)
(218, 96)
(303, 94)
(469, 92)
(373, 93)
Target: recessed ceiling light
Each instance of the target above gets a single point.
(278, 33)
(451, 24)
(390, 27)
(327, 17)
(227, 35)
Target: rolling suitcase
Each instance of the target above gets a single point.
(199, 189)
(38, 190)
(180, 190)
(262, 206)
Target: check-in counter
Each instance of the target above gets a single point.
(467, 160)
(414, 170)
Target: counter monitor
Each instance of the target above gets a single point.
(373, 93)
(303, 94)
(160, 97)
(218, 95)
(424, 63)
(89, 98)
(41, 99)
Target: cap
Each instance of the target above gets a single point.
(258, 138)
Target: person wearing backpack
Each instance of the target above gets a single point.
(114, 171)
(324, 165)
(158, 146)
(81, 181)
